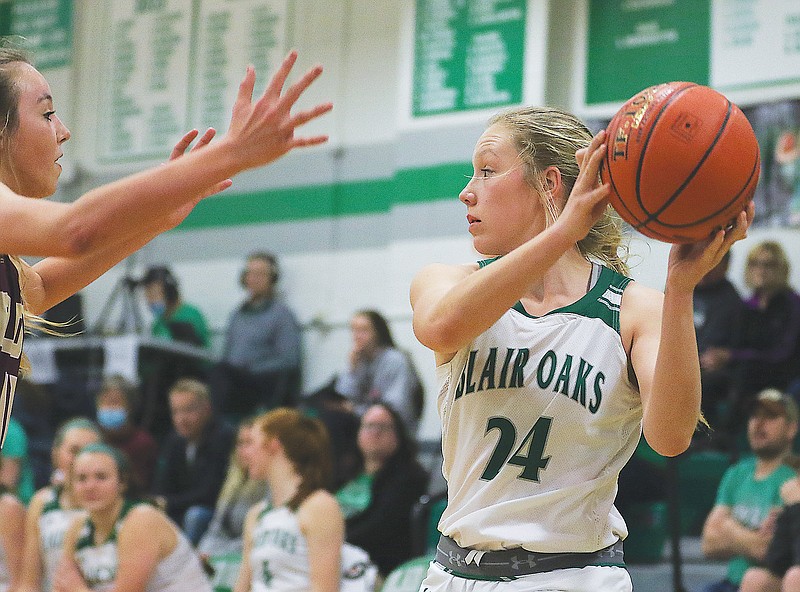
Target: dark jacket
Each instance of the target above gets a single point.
(184, 485)
(383, 529)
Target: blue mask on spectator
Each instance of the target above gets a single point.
(112, 418)
(158, 308)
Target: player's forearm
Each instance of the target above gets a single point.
(62, 277)
(474, 303)
(149, 198)
(676, 381)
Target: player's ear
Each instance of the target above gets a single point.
(552, 183)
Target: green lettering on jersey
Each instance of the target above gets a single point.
(470, 369)
(517, 374)
(543, 379)
(487, 376)
(562, 382)
(504, 372)
(598, 393)
(579, 393)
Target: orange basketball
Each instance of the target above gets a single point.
(682, 161)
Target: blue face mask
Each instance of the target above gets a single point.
(112, 418)
(158, 308)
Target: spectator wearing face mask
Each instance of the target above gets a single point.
(173, 318)
(115, 403)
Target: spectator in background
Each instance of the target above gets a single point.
(768, 352)
(193, 460)
(12, 539)
(377, 504)
(379, 371)
(260, 366)
(740, 525)
(781, 566)
(238, 494)
(53, 508)
(342, 423)
(115, 404)
(16, 472)
(718, 310)
(172, 318)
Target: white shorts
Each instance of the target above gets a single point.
(586, 579)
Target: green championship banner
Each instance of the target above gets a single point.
(45, 26)
(467, 55)
(633, 44)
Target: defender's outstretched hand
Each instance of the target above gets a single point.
(186, 141)
(264, 130)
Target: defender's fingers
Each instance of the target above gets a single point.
(245, 94)
(273, 90)
(205, 139)
(298, 88)
(304, 117)
(303, 142)
(183, 144)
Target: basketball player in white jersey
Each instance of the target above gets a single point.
(550, 363)
(294, 540)
(54, 507)
(122, 544)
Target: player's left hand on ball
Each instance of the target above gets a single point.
(693, 261)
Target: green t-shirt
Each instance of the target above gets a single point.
(354, 496)
(185, 318)
(750, 501)
(16, 447)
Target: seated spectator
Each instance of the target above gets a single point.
(16, 472)
(260, 366)
(377, 504)
(193, 460)
(768, 352)
(12, 539)
(718, 310)
(740, 525)
(342, 423)
(379, 371)
(53, 508)
(173, 318)
(239, 493)
(781, 567)
(122, 543)
(115, 405)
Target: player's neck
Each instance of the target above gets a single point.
(562, 284)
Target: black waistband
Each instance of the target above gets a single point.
(512, 563)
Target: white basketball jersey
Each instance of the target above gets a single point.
(538, 418)
(179, 571)
(278, 554)
(53, 524)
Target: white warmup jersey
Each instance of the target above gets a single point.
(278, 553)
(179, 571)
(53, 524)
(279, 557)
(539, 416)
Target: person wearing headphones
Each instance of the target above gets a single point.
(260, 365)
(172, 318)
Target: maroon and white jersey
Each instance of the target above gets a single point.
(11, 345)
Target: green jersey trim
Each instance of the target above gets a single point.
(602, 301)
(54, 502)
(87, 534)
